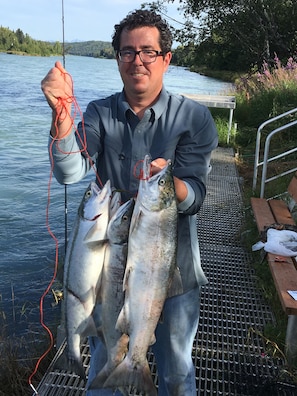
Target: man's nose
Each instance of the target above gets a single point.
(137, 59)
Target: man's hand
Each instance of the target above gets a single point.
(180, 187)
(58, 90)
(157, 165)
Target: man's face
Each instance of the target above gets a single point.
(142, 79)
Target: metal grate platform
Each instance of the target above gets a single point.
(230, 356)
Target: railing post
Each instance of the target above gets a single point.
(291, 339)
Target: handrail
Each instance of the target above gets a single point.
(266, 159)
(257, 163)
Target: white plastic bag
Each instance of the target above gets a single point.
(282, 242)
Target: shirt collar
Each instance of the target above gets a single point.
(157, 109)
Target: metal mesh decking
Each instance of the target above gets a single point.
(229, 354)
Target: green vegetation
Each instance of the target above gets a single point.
(233, 35)
(263, 95)
(96, 49)
(260, 96)
(18, 358)
(18, 42)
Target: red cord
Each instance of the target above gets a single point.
(63, 103)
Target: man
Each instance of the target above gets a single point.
(120, 130)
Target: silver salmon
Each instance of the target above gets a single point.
(112, 294)
(151, 265)
(82, 271)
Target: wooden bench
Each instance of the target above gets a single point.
(284, 270)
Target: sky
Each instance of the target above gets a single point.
(83, 19)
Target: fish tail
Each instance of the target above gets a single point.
(137, 376)
(117, 355)
(64, 362)
(77, 367)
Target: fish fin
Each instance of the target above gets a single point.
(90, 331)
(68, 363)
(126, 279)
(176, 285)
(135, 220)
(89, 327)
(153, 339)
(95, 234)
(95, 243)
(122, 323)
(98, 294)
(118, 353)
(137, 376)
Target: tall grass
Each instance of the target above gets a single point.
(266, 93)
(18, 356)
(20, 353)
(261, 95)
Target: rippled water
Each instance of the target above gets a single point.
(27, 251)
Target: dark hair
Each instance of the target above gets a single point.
(140, 18)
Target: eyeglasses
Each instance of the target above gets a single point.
(146, 56)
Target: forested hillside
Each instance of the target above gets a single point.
(96, 49)
(19, 42)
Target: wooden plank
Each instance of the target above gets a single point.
(281, 212)
(292, 188)
(285, 278)
(262, 213)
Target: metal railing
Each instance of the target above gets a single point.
(266, 158)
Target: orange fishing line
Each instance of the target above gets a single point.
(138, 173)
(61, 103)
(76, 112)
(46, 292)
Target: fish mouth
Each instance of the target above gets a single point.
(94, 218)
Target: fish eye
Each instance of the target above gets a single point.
(162, 182)
(125, 217)
(88, 193)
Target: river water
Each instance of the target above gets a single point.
(27, 250)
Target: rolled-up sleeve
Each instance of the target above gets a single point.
(69, 165)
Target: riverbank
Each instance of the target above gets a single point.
(223, 75)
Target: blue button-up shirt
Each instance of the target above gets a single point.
(175, 128)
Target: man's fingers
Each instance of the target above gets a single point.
(59, 66)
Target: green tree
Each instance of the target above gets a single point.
(19, 42)
(20, 36)
(239, 33)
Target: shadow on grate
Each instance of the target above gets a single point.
(229, 353)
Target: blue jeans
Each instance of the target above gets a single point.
(175, 334)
